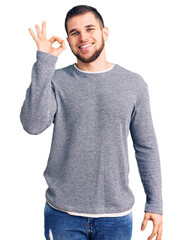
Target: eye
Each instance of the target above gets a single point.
(90, 29)
(76, 33)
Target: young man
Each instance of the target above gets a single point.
(93, 104)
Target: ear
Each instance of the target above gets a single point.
(105, 32)
(67, 39)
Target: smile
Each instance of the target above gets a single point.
(86, 46)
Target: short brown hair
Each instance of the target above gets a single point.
(80, 10)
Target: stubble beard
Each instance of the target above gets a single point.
(92, 58)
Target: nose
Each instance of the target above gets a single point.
(84, 36)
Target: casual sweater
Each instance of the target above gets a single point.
(87, 170)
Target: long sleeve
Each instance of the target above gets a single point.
(39, 107)
(146, 151)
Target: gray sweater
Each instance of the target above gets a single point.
(93, 113)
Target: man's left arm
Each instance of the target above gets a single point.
(148, 159)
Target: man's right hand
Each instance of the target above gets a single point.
(44, 44)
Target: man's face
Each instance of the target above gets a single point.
(85, 37)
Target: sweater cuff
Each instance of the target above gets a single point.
(46, 58)
(153, 209)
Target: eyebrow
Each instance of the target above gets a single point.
(74, 29)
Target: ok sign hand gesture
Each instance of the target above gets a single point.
(44, 44)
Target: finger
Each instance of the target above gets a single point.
(54, 39)
(62, 46)
(144, 224)
(33, 34)
(40, 36)
(160, 232)
(155, 230)
(44, 29)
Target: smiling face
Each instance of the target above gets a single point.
(86, 37)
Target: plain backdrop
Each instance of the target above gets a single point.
(145, 37)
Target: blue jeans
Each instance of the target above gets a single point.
(63, 226)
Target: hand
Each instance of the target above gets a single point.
(44, 44)
(157, 224)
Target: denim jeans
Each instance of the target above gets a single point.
(60, 225)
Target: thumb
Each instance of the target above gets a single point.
(62, 46)
(144, 223)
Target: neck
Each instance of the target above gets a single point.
(100, 64)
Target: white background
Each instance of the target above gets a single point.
(145, 37)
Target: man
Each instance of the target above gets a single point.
(93, 104)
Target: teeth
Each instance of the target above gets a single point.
(85, 46)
